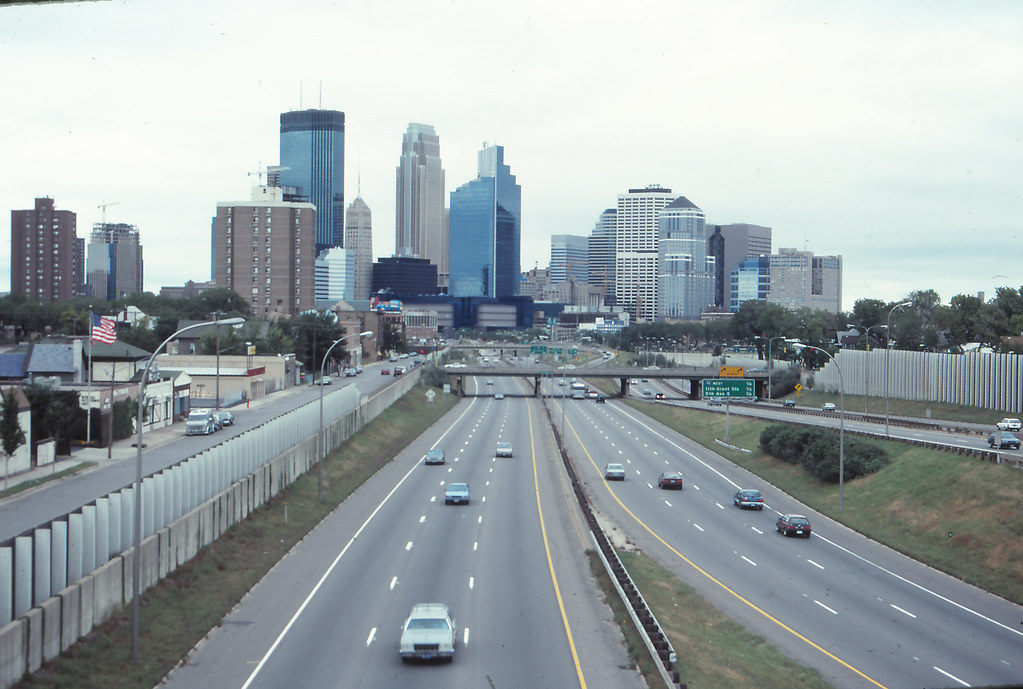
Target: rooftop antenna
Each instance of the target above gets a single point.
(320, 104)
(300, 95)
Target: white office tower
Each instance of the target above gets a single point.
(359, 243)
(569, 258)
(421, 224)
(636, 250)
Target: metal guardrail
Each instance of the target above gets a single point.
(654, 638)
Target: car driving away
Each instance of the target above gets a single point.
(670, 480)
(433, 457)
(456, 494)
(748, 498)
(793, 525)
(504, 450)
(1003, 440)
(614, 472)
(429, 633)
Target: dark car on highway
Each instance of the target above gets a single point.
(748, 498)
(1002, 440)
(670, 480)
(793, 525)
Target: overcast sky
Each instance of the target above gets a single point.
(887, 133)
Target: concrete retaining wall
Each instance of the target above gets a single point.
(86, 557)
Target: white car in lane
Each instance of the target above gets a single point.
(1010, 425)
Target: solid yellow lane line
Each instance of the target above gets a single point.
(709, 576)
(550, 561)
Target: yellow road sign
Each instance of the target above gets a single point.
(732, 372)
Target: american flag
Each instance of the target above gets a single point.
(104, 329)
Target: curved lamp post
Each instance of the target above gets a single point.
(887, 355)
(841, 422)
(137, 544)
(866, 378)
(770, 366)
(319, 436)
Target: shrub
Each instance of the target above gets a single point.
(817, 450)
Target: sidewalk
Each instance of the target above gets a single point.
(122, 450)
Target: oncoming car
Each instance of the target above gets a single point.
(1010, 425)
(614, 472)
(748, 498)
(429, 633)
(793, 524)
(456, 494)
(433, 457)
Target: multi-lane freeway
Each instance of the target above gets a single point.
(510, 566)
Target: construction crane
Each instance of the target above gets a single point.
(268, 170)
(103, 207)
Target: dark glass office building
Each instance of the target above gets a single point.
(313, 160)
(404, 276)
(485, 231)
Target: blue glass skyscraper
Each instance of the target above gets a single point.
(313, 159)
(485, 231)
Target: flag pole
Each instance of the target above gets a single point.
(88, 387)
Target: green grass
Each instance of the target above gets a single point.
(910, 505)
(181, 609)
(713, 650)
(21, 487)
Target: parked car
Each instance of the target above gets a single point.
(748, 498)
(224, 418)
(433, 457)
(200, 422)
(614, 472)
(793, 524)
(1010, 425)
(456, 494)
(670, 480)
(504, 449)
(429, 633)
(351, 372)
(385, 372)
(1002, 440)
(828, 407)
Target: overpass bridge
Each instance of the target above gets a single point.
(683, 375)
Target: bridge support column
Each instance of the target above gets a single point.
(623, 387)
(536, 386)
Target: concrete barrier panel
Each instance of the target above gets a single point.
(148, 505)
(150, 562)
(166, 553)
(6, 585)
(34, 639)
(108, 590)
(51, 628)
(58, 555)
(102, 530)
(87, 588)
(22, 575)
(114, 543)
(128, 576)
(13, 659)
(88, 539)
(127, 517)
(70, 616)
(41, 572)
(74, 548)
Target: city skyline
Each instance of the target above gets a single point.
(851, 131)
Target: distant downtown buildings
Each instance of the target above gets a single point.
(294, 244)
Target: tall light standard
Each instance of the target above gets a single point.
(866, 378)
(319, 436)
(137, 544)
(770, 366)
(887, 356)
(841, 422)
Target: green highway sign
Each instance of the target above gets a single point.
(555, 350)
(538, 349)
(732, 388)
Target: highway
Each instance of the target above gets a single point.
(510, 565)
(861, 614)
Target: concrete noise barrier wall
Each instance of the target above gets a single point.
(65, 577)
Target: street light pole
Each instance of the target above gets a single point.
(841, 423)
(137, 541)
(866, 377)
(770, 366)
(887, 369)
(319, 436)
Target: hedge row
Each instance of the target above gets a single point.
(817, 450)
